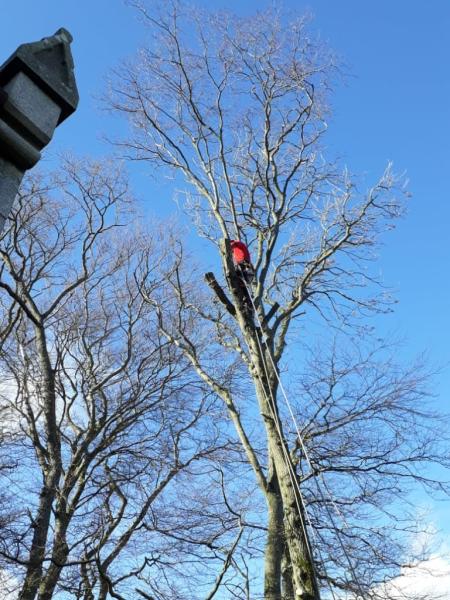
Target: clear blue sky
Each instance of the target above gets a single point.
(395, 106)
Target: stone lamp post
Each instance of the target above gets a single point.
(37, 92)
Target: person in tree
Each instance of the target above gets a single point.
(244, 268)
(242, 260)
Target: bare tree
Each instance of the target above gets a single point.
(106, 425)
(238, 108)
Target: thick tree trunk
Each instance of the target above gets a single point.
(59, 558)
(38, 544)
(265, 378)
(286, 576)
(274, 542)
(295, 532)
(51, 472)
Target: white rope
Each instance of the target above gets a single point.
(292, 475)
(276, 419)
(306, 454)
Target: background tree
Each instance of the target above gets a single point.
(238, 108)
(112, 441)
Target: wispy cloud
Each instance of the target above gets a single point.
(430, 579)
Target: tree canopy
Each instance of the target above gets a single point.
(168, 436)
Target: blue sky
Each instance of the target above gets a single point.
(394, 105)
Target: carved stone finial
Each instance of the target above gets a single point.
(50, 65)
(37, 92)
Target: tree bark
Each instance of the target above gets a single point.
(59, 558)
(286, 576)
(265, 377)
(52, 472)
(41, 525)
(274, 542)
(296, 535)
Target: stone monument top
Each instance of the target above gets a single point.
(37, 92)
(50, 65)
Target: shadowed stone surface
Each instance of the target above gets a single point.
(49, 63)
(37, 92)
(34, 103)
(10, 178)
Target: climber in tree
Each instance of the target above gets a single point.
(246, 272)
(242, 261)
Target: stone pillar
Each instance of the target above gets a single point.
(37, 92)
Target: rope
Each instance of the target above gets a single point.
(291, 471)
(287, 460)
(306, 454)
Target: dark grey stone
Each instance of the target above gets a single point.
(49, 63)
(37, 92)
(33, 103)
(10, 178)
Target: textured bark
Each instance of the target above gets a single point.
(265, 379)
(52, 472)
(296, 535)
(286, 575)
(274, 542)
(41, 525)
(59, 557)
(294, 525)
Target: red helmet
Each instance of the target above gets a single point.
(240, 252)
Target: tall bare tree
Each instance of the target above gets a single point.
(237, 108)
(102, 418)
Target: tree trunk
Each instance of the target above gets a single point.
(274, 542)
(265, 378)
(38, 544)
(294, 526)
(296, 535)
(59, 558)
(52, 472)
(286, 576)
